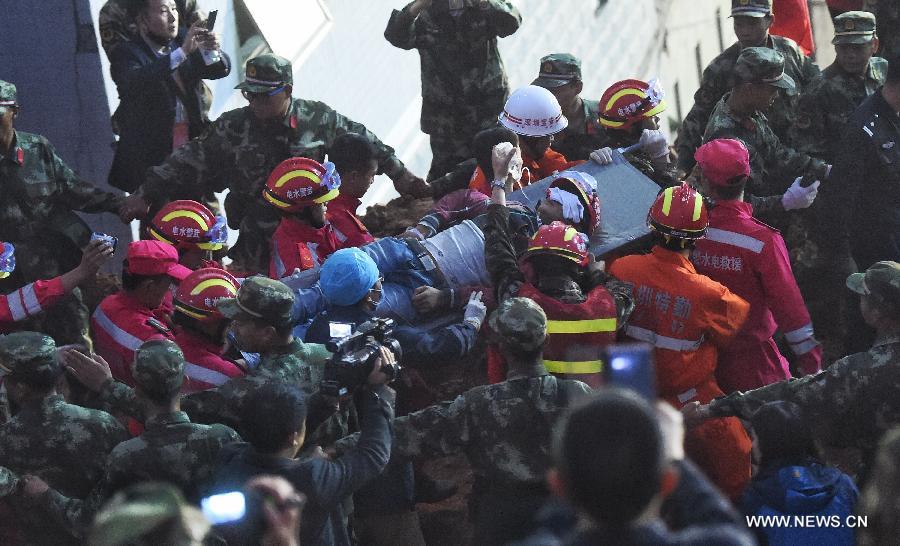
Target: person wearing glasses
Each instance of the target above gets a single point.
(244, 145)
(163, 102)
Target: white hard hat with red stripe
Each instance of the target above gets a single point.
(534, 112)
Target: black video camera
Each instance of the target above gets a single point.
(354, 355)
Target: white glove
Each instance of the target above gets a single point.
(603, 156)
(653, 143)
(798, 197)
(506, 160)
(475, 311)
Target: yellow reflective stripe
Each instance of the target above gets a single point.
(624, 92)
(667, 200)
(698, 206)
(327, 197)
(583, 366)
(298, 173)
(581, 326)
(208, 283)
(186, 214)
(275, 201)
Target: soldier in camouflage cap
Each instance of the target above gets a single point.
(560, 73)
(241, 148)
(40, 195)
(752, 20)
(520, 323)
(763, 65)
(881, 280)
(266, 73)
(158, 368)
(261, 298)
(464, 83)
(28, 354)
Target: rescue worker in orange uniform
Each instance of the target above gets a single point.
(534, 114)
(128, 318)
(202, 328)
(192, 229)
(299, 188)
(751, 259)
(688, 318)
(582, 315)
(34, 297)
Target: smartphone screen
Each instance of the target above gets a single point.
(224, 508)
(630, 366)
(211, 20)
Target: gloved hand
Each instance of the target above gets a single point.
(506, 160)
(798, 197)
(603, 156)
(653, 143)
(810, 362)
(475, 311)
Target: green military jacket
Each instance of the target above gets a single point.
(38, 193)
(774, 165)
(237, 152)
(63, 444)
(849, 404)
(828, 103)
(578, 140)
(464, 83)
(716, 81)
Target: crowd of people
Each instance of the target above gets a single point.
(221, 390)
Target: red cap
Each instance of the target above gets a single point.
(722, 160)
(155, 258)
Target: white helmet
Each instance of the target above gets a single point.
(533, 111)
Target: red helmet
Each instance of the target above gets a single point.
(561, 240)
(189, 224)
(629, 101)
(197, 294)
(299, 182)
(679, 212)
(583, 186)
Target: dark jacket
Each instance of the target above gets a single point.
(146, 114)
(861, 199)
(324, 482)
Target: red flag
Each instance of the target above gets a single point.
(792, 21)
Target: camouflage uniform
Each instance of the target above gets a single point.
(64, 444)
(833, 96)
(171, 448)
(584, 134)
(716, 81)
(117, 25)
(852, 402)
(464, 83)
(39, 194)
(773, 165)
(238, 152)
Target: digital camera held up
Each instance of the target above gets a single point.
(354, 355)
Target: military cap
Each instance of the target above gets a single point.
(558, 69)
(882, 280)
(25, 353)
(8, 94)
(763, 65)
(158, 367)
(520, 322)
(9, 482)
(262, 298)
(751, 8)
(854, 27)
(265, 73)
(145, 508)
